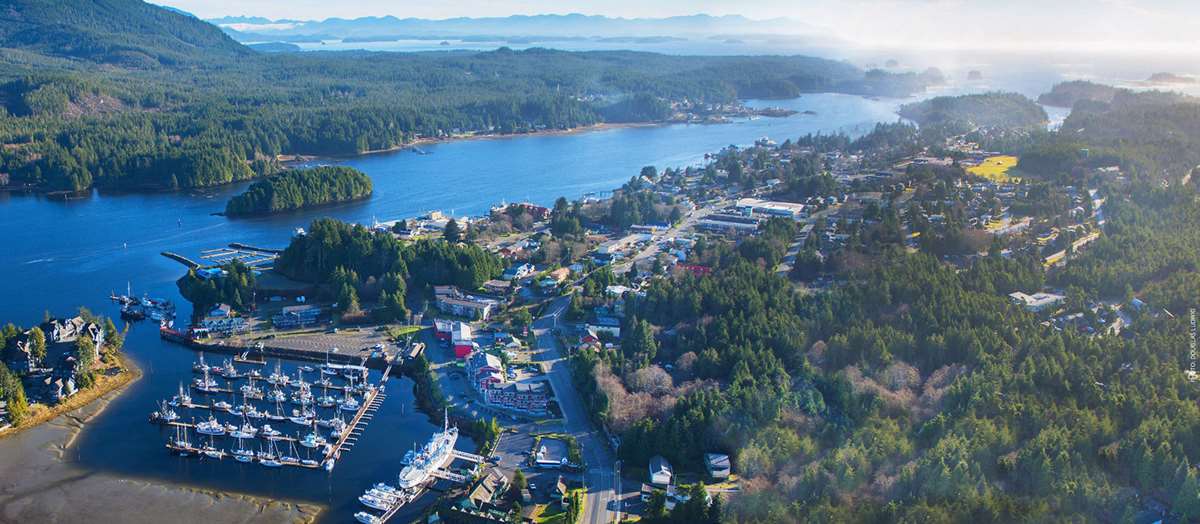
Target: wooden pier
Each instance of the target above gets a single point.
(370, 404)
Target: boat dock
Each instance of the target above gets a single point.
(254, 258)
(191, 264)
(355, 427)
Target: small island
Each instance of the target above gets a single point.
(990, 110)
(1170, 78)
(1065, 94)
(301, 188)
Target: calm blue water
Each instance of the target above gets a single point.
(61, 255)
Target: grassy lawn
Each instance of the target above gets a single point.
(996, 169)
(546, 513)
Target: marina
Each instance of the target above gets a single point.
(341, 436)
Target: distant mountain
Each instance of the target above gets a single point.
(125, 32)
(571, 25)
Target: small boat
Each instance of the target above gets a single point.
(211, 452)
(206, 383)
(254, 413)
(277, 377)
(312, 440)
(303, 419)
(276, 395)
(376, 503)
(306, 369)
(245, 431)
(230, 372)
(366, 518)
(180, 399)
(269, 458)
(269, 432)
(200, 366)
(210, 427)
(164, 414)
(241, 454)
(222, 405)
(292, 456)
(230, 427)
(323, 381)
(349, 404)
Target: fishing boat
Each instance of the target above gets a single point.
(278, 415)
(230, 372)
(276, 395)
(299, 382)
(277, 377)
(180, 399)
(222, 405)
(200, 366)
(349, 403)
(180, 442)
(301, 418)
(366, 518)
(292, 457)
(230, 427)
(269, 432)
(254, 413)
(210, 427)
(246, 430)
(376, 503)
(270, 458)
(211, 451)
(306, 369)
(312, 440)
(250, 390)
(164, 414)
(241, 454)
(206, 384)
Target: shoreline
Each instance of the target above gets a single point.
(293, 160)
(43, 483)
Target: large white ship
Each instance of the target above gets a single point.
(420, 464)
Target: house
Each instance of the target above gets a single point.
(498, 287)
(660, 471)
(717, 465)
(605, 324)
(554, 278)
(518, 271)
(488, 489)
(443, 329)
(1036, 302)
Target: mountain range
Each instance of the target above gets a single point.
(247, 29)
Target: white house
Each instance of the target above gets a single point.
(660, 471)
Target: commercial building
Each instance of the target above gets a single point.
(757, 207)
(1036, 302)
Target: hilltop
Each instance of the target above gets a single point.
(988, 110)
(125, 32)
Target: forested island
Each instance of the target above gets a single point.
(123, 94)
(988, 110)
(300, 188)
(1065, 94)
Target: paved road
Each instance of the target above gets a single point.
(600, 478)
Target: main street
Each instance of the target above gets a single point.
(600, 476)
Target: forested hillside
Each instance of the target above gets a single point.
(989, 110)
(118, 93)
(295, 189)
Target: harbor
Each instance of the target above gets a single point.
(329, 433)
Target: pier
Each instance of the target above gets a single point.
(254, 258)
(191, 264)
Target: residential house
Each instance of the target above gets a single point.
(1036, 302)
(660, 471)
(717, 465)
(518, 271)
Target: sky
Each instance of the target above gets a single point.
(1113, 25)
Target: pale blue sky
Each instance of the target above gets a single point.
(1111, 24)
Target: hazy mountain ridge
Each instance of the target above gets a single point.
(127, 32)
(571, 25)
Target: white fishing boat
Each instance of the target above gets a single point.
(182, 398)
(210, 427)
(276, 395)
(269, 459)
(241, 454)
(301, 418)
(205, 384)
(164, 414)
(292, 456)
(254, 413)
(366, 518)
(245, 431)
(222, 405)
(277, 377)
(349, 403)
(269, 432)
(375, 503)
(200, 366)
(312, 440)
(230, 372)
